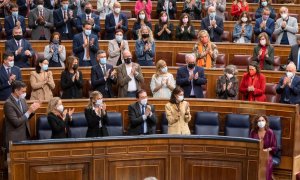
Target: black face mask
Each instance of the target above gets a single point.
(145, 35)
(191, 66)
(127, 61)
(18, 37)
(75, 67)
(88, 11)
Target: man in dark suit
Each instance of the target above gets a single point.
(191, 78)
(85, 46)
(20, 47)
(25, 6)
(64, 21)
(14, 20)
(289, 86)
(52, 4)
(294, 55)
(213, 25)
(17, 114)
(88, 16)
(115, 20)
(103, 76)
(8, 74)
(264, 24)
(141, 115)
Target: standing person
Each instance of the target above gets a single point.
(17, 114)
(219, 5)
(193, 8)
(145, 5)
(71, 81)
(262, 5)
(185, 31)
(169, 6)
(116, 47)
(105, 7)
(14, 20)
(145, 47)
(164, 28)
(96, 116)
(55, 52)
(264, 24)
(294, 54)
(253, 84)
(261, 130)
(213, 25)
(178, 113)
(41, 81)
(141, 115)
(228, 84)
(243, 29)
(238, 6)
(59, 118)
(141, 20)
(8, 74)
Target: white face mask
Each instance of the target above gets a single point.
(117, 10)
(164, 69)
(23, 96)
(244, 19)
(142, 16)
(180, 98)
(263, 42)
(261, 124)
(229, 76)
(284, 15)
(60, 108)
(289, 74)
(11, 63)
(99, 102)
(144, 101)
(40, 7)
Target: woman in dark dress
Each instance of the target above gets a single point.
(96, 116)
(228, 84)
(59, 118)
(164, 28)
(141, 20)
(185, 31)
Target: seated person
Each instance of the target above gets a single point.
(289, 86)
(162, 82)
(262, 5)
(205, 51)
(116, 47)
(59, 118)
(264, 24)
(145, 47)
(242, 32)
(14, 20)
(293, 56)
(237, 7)
(164, 28)
(185, 31)
(263, 52)
(105, 7)
(96, 116)
(55, 52)
(228, 84)
(20, 47)
(141, 21)
(219, 5)
(213, 25)
(145, 5)
(41, 81)
(141, 116)
(193, 8)
(169, 6)
(286, 28)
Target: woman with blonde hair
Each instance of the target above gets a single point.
(96, 116)
(59, 118)
(238, 6)
(145, 47)
(162, 82)
(206, 52)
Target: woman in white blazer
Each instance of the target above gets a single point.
(116, 48)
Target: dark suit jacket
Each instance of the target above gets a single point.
(60, 24)
(110, 25)
(99, 83)
(9, 25)
(217, 32)
(269, 61)
(23, 7)
(21, 60)
(182, 79)
(270, 27)
(136, 121)
(81, 19)
(172, 12)
(292, 93)
(47, 4)
(59, 127)
(5, 88)
(71, 89)
(78, 49)
(93, 123)
(294, 55)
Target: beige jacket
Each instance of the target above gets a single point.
(40, 89)
(115, 52)
(178, 119)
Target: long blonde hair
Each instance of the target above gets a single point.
(93, 96)
(52, 104)
(150, 39)
(160, 64)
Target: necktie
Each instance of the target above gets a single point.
(41, 13)
(104, 70)
(20, 105)
(87, 49)
(8, 72)
(88, 17)
(15, 20)
(18, 43)
(144, 127)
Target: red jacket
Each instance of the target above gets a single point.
(259, 83)
(235, 9)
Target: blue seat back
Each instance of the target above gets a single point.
(164, 124)
(43, 128)
(114, 124)
(275, 125)
(237, 125)
(207, 123)
(78, 126)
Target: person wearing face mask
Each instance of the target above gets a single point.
(185, 31)
(116, 47)
(178, 113)
(169, 6)
(8, 74)
(294, 54)
(25, 6)
(142, 20)
(88, 16)
(228, 84)
(162, 82)
(289, 86)
(40, 20)
(141, 116)
(263, 53)
(262, 5)
(237, 7)
(130, 77)
(145, 5)
(41, 81)
(261, 130)
(55, 53)
(105, 7)
(191, 78)
(264, 24)
(85, 46)
(14, 20)
(20, 47)
(242, 32)
(59, 118)
(96, 116)
(115, 20)
(103, 76)
(71, 81)
(213, 25)
(220, 6)
(164, 28)
(286, 28)
(145, 47)
(253, 84)
(193, 8)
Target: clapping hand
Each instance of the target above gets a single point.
(27, 53)
(33, 107)
(12, 77)
(229, 85)
(92, 41)
(19, 50)
(196, 76)
(187, 106)
(148, 110)
(283, 24)
(250, 88)
(191, 76)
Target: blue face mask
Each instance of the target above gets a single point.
(87, 32)
(265, 3)
(15, 14)
(45, 67)
(103, 60)
(65, 7)
(212, 15)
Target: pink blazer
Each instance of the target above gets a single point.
(139, 5)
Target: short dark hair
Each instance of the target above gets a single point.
(38, 67)
(7, 54)
(119, 30)
(17, 85)
(254, 64)
(100, 51)
(175, 91)
(86, 23)
(54, 34)
(137, 95)
(13, 5)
